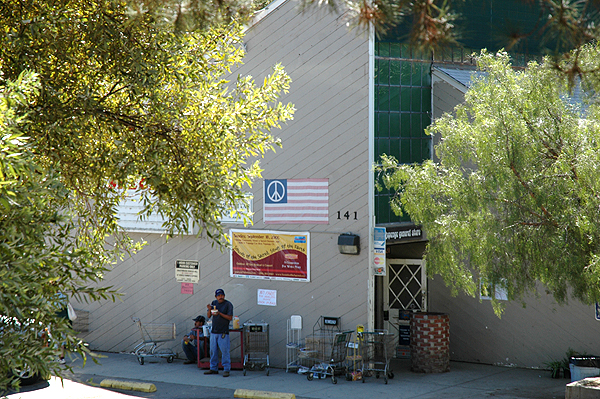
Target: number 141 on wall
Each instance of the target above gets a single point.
(348, 215)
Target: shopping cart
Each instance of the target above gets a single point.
(154, 335)
(317, 346)
(377, 351)
(256, 346)
(335, 364)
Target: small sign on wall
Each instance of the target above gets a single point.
(187, 288)
(267, 297)
(379, 263)
(187, 271)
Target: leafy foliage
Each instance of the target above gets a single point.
(431, 22)
(39, 256)
(99, 96)
(123, 100)
(514, 198)
(432, 25)
(191, 15)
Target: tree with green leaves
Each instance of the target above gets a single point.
(559, 26)
(514, 199)
(38, 254)
(100, 96)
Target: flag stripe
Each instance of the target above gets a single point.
(290, 215)
(315, 190)
(304, 193)
(279, 207)
(296, 220)
(299, 208)
(298, 212)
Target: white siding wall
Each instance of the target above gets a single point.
(327, 139)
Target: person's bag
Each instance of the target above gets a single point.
(71, 312)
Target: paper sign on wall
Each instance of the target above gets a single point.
(187, 288)
(267, 297)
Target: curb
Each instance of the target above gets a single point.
(129, 385)
(588, 388)
(251, 394)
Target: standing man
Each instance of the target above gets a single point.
(221, 311)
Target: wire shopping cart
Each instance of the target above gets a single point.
(335, 364)
(377, 351)
(256, 347)
(154, 335)
(317, 346)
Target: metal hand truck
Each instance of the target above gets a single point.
(354, 358)
(154, 335)
(256, 347)
(335, 364)
(377, 350)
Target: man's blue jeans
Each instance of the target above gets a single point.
(218, 341)
(190, 351)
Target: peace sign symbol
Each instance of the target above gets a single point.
(276, 191)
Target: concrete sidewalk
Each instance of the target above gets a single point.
(465, 380)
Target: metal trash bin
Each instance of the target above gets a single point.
(256, 347)
(584, 366)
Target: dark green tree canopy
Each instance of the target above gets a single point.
(515, 197)
(125, 99)
(97, 96)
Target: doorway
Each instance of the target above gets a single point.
(404, 289)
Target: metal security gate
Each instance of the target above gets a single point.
(405, 288)
(406, 285)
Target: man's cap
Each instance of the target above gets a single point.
(200, 318)
(219, 292)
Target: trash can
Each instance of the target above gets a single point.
(430, 342)
(584, 366)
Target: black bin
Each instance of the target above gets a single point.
(585, 361)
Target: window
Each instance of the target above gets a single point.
(242, 206)
(402, 112)
(128, 213)
(489, 292)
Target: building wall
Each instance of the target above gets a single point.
(328, 138)
(528, 334)
(444, 98)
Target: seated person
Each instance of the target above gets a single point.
(189, 341)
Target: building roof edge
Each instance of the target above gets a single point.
(259, 15)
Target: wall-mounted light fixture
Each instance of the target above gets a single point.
(349, 244)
